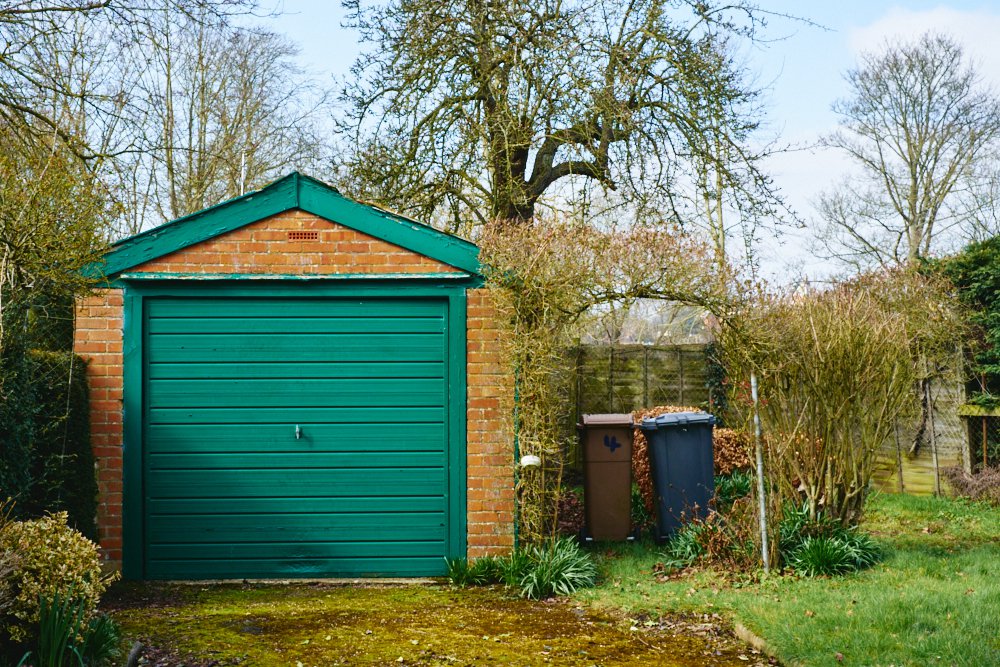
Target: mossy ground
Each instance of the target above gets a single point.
(305, 625)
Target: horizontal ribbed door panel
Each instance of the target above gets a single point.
(229, 491)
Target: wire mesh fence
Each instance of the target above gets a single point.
(984, 441)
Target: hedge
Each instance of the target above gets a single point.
(47, 464)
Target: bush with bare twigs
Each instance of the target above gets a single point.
(837, 367)
(545, 275)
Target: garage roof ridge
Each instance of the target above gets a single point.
(294, 191)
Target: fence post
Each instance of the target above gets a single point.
(759, 452)
(645, 376)
(680, 376)
(934, 452)
(899, 456)
(611, 378)
(984, 443)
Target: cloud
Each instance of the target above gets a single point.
(975, 30)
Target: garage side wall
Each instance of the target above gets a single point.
(98, 339)
(490, 451)
(267, 248)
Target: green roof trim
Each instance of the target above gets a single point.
(973, 410)
(294, 191)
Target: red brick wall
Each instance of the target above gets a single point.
(490, 452)
(262, 248)
(98, 339)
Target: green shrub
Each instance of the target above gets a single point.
(60, 622)
(102, 640)
(822, 546)
(816, 556)
(458, 572)
(65, 638)
(52, 560)
(63, 461)
(515, 566)
(46, 462)
(728, 488)
(559, 568)
(16, 424)
(684, 547)
(480, 572)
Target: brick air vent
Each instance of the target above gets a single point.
(303, 236)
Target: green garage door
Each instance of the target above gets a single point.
(295, 437)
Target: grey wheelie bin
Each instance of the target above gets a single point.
(680, 456)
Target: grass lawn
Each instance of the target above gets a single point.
(934, 600)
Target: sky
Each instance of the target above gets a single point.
(800, 68)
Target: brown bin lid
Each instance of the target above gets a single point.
(620, 419)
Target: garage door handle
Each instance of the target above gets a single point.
(298, 432)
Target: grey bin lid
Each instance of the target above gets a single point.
(610, 419)
(677, 419)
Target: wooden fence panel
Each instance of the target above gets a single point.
(624, 378)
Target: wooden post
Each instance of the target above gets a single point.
(611, 378)
(680, 375)
(899, 457)
(579, 402)
(934, 452)
(645, 377)
(985, 442)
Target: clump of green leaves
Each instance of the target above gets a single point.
(816, 546)
(66, 638)
(726, 539)
(684, 547)
(559, 567)
(729, 488)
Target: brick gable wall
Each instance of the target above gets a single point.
(265, 248)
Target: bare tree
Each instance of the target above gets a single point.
(919, 125)
(226, 110)
(469, 109)
(171, 103)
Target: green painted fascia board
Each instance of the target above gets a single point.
(132, 418)
(454, 276)
(319, 199)
(201, 226)
(291, 192)
(971, 410)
